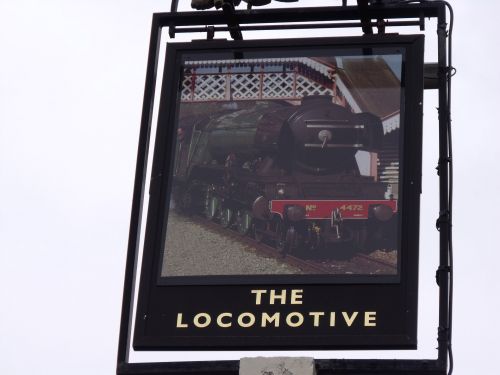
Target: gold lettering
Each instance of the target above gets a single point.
(179, 321)
(250, 322)
(349, 319)
(316, 316)
(332, 319)
(207, 319)
(370, 318)
(258, 295)
(266, 318)
(296, 297)
(220, 323)
(298, 323)
(273, 296)
(293, 319)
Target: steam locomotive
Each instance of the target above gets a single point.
(286, 174)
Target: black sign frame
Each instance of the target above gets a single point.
(395, 303)
(437, 77)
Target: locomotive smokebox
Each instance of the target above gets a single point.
(322, 137)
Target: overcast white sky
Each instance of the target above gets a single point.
(71, 85)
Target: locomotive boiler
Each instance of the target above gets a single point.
(287, 175)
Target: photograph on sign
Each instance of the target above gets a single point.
(299, 154)
(284, 196)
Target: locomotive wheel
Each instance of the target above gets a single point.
(360, 238)
(186, 202)
(286, 238)
(292, 239)
(212, 208)
(226, 217)
(279, 229)
(391, 233)
(259, 227)
(243, 222)
(281, 246)
(288, 242)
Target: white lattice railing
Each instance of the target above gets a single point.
(391, 122)
(245, 86)
(307, 87)
(250, 86)
(254, 79)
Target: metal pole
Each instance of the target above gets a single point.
(313, 14)
(138, 195)
(204, 29)
(443, 221)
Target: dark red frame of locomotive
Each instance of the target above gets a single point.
(286, 175)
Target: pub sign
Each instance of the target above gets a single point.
(284, 200)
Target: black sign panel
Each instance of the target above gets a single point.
(284, 200)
